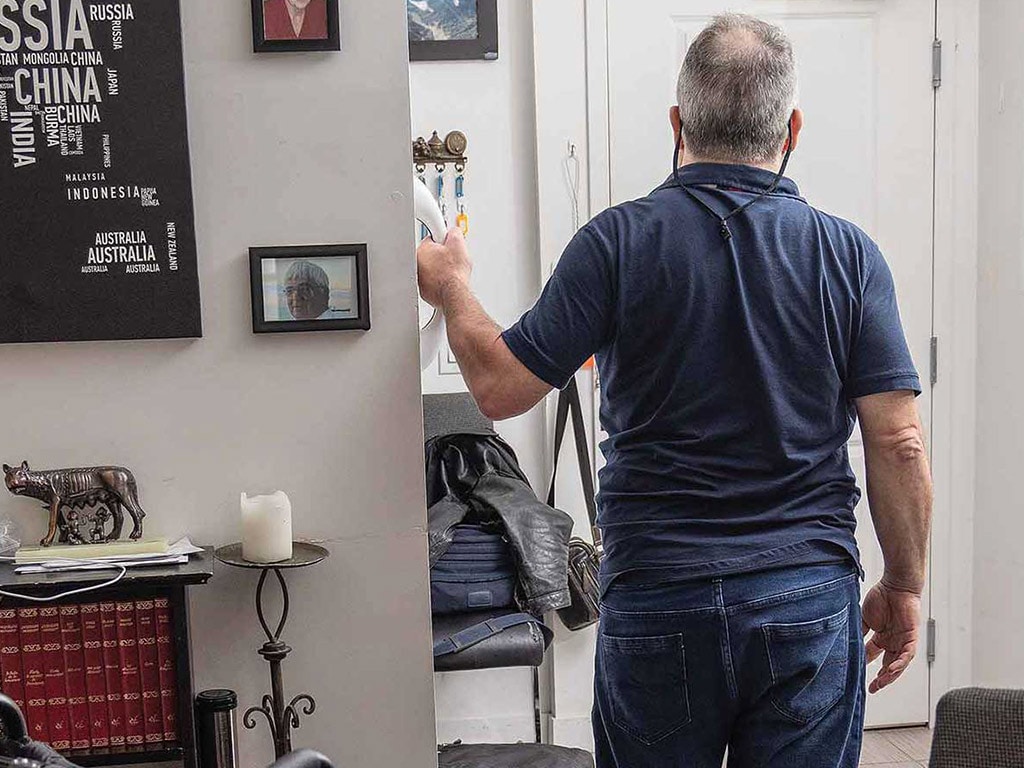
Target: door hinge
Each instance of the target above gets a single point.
(936, 63)
(934, 361)
(930, 641)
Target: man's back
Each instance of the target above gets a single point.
(728, 370)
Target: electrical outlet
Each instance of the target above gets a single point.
(447, 365)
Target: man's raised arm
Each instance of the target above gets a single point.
(501, 385)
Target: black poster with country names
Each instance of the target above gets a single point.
(97, 234)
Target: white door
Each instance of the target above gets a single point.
(865, 154)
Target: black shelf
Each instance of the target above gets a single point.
(172, 582)
(198, 570)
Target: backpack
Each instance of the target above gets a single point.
(477, 573)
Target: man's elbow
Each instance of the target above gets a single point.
(506, 388)
(502, 397)
(905, 446)
(497, 406)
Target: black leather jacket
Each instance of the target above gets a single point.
(477, 476)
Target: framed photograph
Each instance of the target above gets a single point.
(295, 25)
(309, 288)
(452, 30)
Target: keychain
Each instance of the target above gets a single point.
(462, 220)
(441, 202)
(424, 232)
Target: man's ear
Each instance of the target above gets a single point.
(796, 124)
(677, 123)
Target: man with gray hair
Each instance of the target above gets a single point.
(739, 333)
(307, 290)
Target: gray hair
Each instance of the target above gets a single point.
(737, 90)
(310, 274)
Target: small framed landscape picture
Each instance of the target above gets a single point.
(309, 288)
(295, 25)
(446, 30)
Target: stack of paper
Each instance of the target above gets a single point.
(174, 554)
(29, 555)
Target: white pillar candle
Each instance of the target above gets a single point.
(266, 528)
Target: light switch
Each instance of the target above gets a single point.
(447, 365)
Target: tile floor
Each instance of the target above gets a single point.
(899, 748)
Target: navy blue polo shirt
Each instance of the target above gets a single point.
(728, 372)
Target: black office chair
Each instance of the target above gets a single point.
(979, 728)
(303, 758)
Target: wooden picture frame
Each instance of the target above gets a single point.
(309, 288)
(321, 18)
(483, 47)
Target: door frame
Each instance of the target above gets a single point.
(572, 102)
(955, 325)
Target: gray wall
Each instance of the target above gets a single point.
(999, 522)
(286, 149)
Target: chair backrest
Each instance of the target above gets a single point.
(303, 758)
(449, 414)
(979, 728)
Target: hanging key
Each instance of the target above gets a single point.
(462, 220)
(440, 194)
(424, 232)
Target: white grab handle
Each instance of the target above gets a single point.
(429, 214)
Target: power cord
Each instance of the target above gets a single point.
(122, 571)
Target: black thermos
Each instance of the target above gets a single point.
(216, 731)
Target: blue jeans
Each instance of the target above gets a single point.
(769, 664)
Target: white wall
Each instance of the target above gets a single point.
(493, 104)
(286, 149)
(999, 525)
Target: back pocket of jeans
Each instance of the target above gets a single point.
(809, 663)
(646, 681)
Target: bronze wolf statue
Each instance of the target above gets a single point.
(74, 489)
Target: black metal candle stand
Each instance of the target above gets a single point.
(282, 715)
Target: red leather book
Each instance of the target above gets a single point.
(74, 672)
(10, 657)
(95, 682)
(149, 672)
(131, 680)
(32, 669)
(168, 673)
(112, 674)
(55, 677)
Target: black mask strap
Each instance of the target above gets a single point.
(724, 220)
